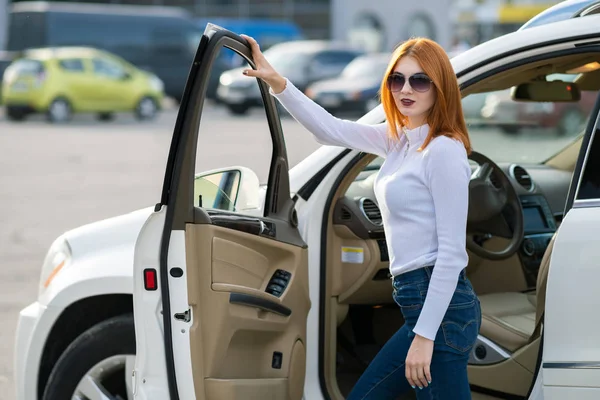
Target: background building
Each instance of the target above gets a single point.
(311, 15)
(3, 23)
(380, 25)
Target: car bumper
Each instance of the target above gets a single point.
(29, 345)
(20, 108)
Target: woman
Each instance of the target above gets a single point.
(422, 190)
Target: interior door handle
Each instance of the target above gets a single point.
(258, 302)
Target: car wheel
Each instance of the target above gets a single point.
(98, 364)
(238, 109)
(510, 129)
(146, 109)
(105, 117)
(571, 122)
(15, 115)
(59, 110)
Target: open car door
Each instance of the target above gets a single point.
(221, 299)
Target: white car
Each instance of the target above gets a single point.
(265, 292)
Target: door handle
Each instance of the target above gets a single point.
(258, 302)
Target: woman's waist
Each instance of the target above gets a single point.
(419, 274)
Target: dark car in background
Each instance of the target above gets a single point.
(356, 89)
(302, 62)
(162, 40)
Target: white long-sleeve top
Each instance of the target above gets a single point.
(423, 197)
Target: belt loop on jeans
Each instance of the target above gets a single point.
(429, 270)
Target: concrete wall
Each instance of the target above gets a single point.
(3, 23)
(396, 20)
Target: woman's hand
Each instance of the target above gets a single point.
(418, 361)
(263, 70)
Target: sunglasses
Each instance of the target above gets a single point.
(419, 82)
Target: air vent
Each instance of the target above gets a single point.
(521, 176)
(371, 211)
(345, 214)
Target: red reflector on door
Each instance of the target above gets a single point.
(150, 279)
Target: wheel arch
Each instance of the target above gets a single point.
(72, 322)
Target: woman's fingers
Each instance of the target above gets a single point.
(428, 373)
(408, 374)
(422, 381)
(418, 376)
(256, 56)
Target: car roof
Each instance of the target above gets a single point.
(312, 46)
(47, 53)
(562, 11)
(505, 45)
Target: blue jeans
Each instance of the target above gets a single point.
(385, 377)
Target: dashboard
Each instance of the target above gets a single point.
(542, 190)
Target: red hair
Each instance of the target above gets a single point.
(446, 116)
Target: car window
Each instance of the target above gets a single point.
(72, 65)
(589, 188)
(27, 67)
(239, 122)
(365, 67)
(108, 68)
(330, 59)
(508, 130)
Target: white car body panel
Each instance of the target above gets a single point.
(180, 330)
(103, 256)
(150, 371)
(571, 359)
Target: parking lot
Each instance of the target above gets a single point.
(57, 177)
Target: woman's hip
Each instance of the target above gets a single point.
(460, 325)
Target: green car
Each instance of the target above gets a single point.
(66, 80)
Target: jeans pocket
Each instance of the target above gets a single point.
(461, 326)
(462, 299)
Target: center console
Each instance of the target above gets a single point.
(539, 227)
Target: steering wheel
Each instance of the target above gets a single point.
(494, 210)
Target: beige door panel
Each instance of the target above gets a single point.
(488, 276)
(519, 369)
(353, 283)
(238, 325)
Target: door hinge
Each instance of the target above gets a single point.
(184, 316)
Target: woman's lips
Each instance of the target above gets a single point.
(407, 102)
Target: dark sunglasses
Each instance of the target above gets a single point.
(419, 82)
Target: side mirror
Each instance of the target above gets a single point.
(230, 189)
(546, 91)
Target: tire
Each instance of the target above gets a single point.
(146, 109)
(59, 110)
(105, 117)
(511, 129)
(15, 115)
(238, 109)
(102, 353)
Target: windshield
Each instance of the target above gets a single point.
(508, 130)
(524, 132)
(365, 67)
(286, 60)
